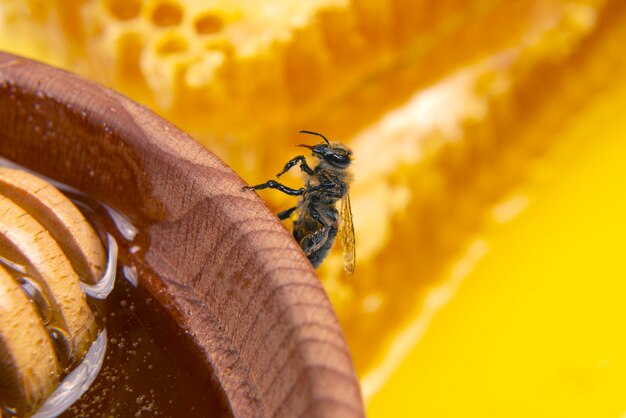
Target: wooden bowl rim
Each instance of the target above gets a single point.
(251, 302)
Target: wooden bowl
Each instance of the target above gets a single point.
(252, 312)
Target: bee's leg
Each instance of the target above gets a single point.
(315, 241)
(317, 245)
(316, 215)
(303, 166)
(286, 213)
(271, 184)
(331, 189)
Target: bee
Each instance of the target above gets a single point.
(317, 221)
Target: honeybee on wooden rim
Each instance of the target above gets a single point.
(317, 221)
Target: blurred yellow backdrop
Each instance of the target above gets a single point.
(487, 196)
(535, 330)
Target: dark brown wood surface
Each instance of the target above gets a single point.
(213, 255)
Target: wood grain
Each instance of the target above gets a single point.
(213, 255)
(60, 218)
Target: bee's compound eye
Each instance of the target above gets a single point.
(338, 158)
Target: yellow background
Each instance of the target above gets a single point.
(537, 328)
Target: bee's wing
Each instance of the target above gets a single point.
(347, 234)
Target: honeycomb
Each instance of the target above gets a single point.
(234, 74)
(447, 106)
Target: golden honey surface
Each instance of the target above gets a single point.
(486, 194)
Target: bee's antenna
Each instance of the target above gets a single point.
(315, 133)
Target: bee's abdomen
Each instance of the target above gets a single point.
(318, 255)
(316, 238)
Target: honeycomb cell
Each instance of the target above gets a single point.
(208, 23)
(167, 14)
(171, 44)
(123, 9)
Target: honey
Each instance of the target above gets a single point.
(142, 362)
(144, 371)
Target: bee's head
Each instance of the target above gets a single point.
(334, 154)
